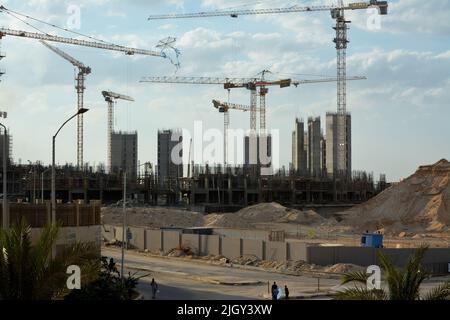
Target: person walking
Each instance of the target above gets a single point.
(274, 291)
(154, 286)
(286, 292)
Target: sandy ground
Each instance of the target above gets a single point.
(202, 277)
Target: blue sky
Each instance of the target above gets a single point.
(400, 114)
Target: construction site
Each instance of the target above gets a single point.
(315, 214)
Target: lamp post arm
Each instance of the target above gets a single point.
(59, 130)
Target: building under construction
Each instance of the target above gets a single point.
(211, 188)
(237, 188)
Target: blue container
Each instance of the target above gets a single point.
(372, 241)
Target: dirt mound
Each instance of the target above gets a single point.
(263, 213)
(244, 219)
(418, 204)
(344, 268)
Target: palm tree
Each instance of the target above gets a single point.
(403, 284)
(29, 272)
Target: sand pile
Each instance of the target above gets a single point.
(418, 204)
(244, 219)
(263, 213)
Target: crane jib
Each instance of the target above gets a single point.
(84, 43)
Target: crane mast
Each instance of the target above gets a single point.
(341, 42)
(80, 79)
(111, 98)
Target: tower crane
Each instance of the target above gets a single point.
(341, 41)
(92, 44)
(83, 71)
(225, 107)
(251, 84)
(248, 83)
(229, 83)
(111, 98)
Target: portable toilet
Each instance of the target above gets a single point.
(370, 240)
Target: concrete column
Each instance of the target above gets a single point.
(293, 191)
(308, 192)
(70, 189)
(335, 197)
(321, 192)
(207, 189)
(85, 190)
(101, 190)
(260, 191)
(245, 192)
(230, 191)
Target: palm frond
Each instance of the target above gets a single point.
(441, 292)
(359, 277)
(357, 293)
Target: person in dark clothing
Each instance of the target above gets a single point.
(274, 291)
(154, 287)
(286, 292)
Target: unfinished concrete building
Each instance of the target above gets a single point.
(8, 148)
(299, 157)
(258, 150)
(314, 147)
(338, 164)
(234, 189)
(124, 153)
(170, 155)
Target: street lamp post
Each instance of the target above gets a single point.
(5, 183)
(53, 218)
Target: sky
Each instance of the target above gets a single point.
(400, 113)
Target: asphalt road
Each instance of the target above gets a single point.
(190, 280)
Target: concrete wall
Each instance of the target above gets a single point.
(276, 251)
(297, 251)
(209, 245)
(108, 233)
(368, 256)
(118, 233)
(231, 248)
(153, 240)
(72, 235)
(243, 234)
(253, 248)
(138, 238)
(191, 241)
(171, 240)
